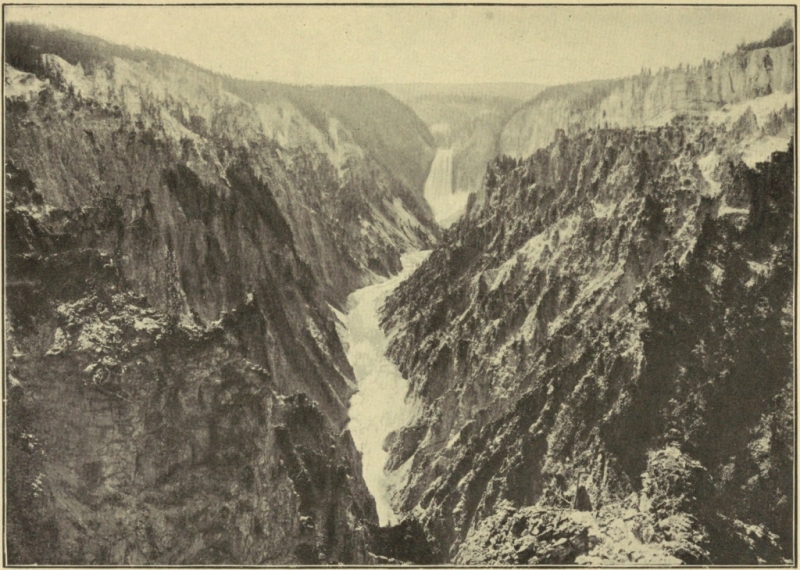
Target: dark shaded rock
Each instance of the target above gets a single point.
(402, 444)
(181, 390)
(406, 542)
(582, 500)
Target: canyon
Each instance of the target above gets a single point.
(467, 122)
(379, 407)
(256, 323)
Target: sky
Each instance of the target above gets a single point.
(367, 45)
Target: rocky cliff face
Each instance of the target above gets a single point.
(353, 160)
(602, 350)
(652, 99)
(177, 389)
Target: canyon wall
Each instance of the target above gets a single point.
(355, 159)
(177, 391)
(651, 98)
(601, 348)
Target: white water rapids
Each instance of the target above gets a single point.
(447, 205)
(379, 407)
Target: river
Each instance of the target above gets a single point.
(379, 407)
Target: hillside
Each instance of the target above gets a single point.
(367, 154)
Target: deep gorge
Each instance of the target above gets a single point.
(263, 324)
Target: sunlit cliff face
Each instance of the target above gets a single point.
(649, 99)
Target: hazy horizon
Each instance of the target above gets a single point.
(401, 45)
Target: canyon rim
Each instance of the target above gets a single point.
(466, 285)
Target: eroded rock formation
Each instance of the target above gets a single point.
(654, 98)
(602, 350)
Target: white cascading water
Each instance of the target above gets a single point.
(379, 407)
(447, 205)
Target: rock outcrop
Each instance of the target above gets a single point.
(602, 349)
(177, 390)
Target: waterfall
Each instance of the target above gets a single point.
(447, 205)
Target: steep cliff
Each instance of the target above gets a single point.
(177, 391)
(602, 350)
(354, 159)
(654, 99)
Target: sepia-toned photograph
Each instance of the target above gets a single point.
(427, 285)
